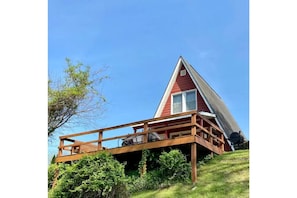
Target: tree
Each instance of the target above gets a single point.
(75, 98)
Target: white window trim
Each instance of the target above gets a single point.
(183, 93)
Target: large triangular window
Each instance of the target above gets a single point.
(184, 101)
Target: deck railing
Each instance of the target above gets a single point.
(198, 125)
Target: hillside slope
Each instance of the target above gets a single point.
(226, 175)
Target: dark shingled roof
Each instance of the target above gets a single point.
(214, 101)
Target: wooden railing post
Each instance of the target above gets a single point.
(100, 137)
(145, 130)
(201, 122)
(210, 137)
(223, 142)
(193, 121)
(72, 150)
(60, 153)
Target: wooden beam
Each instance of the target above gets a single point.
(152, 145)
(211, 135)
(145, 130)
(206, 131)
(210, 123)
(128, 124)
(190, 120)
(78, 143)
(172, 127)
(79, 134)
(100, 140)
(208, 145)
(193, 122)
(222, 143)
(132, 148)
(60, 153)
(194, 162)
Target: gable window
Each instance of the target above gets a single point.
(177, 103)
(184, 101)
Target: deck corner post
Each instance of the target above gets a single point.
(61, 147)
(194, 162)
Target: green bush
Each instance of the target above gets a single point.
(150, 180)
(51, 174)
(205, 160)
(174, 166)
(92, 176)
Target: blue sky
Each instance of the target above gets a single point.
(140, 43)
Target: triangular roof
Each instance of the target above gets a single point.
(213, 101)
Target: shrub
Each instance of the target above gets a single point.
(92, 176)
(174, 166)
(150, 180)
(51, 175)
(205, 159)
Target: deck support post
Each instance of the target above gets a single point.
(194, 162)
(194, 149)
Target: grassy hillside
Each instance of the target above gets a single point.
(226, 175)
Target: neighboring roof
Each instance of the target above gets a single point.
(214, 102)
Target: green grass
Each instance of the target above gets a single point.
(225, 176)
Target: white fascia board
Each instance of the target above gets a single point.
(207, 114)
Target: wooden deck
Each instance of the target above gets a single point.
(179, 129)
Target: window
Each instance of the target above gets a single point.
(177, 103)
(184, 101)
(190, 100)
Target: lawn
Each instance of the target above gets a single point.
(226, 175)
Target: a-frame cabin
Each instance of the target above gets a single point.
(187, 91)
(191, 116)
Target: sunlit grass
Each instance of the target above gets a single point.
(226, 175)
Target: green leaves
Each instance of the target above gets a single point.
(97, 175)
(75, 97)
(174, 166)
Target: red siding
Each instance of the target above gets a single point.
(227, 147)
(183, 83)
